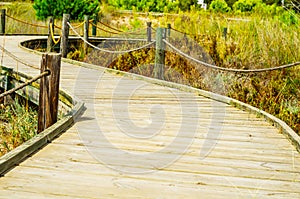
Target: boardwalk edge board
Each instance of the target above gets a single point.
(19, 154)
(278, 123)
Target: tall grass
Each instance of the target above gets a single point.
(17, 125)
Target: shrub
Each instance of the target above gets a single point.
(219, 6)
(246, 5)
(153, 5)
(289, 18)
(76, 8)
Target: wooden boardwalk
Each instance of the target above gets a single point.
(137, 139)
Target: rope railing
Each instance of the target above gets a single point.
(9, 92)
(17, 59)
(109, 51)
(28, 23)
(79, 25)
(108, 26)
(107, 31)
(134, 32)
(58, 27)
(229, 69)
(184, 33)
(118, 33)
(52, 35)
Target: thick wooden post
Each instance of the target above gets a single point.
(86, 33)
(2, 21)
(49, 91)
(65, 36)
(149, 31)
(158, 70)
(50, 40)
(94, 28)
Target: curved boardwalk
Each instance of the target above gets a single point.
(141, 140)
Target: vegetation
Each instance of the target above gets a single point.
(152, 5)
(219, 6)
(76, 8)
(18, 124)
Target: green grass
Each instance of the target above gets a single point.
(18, 124)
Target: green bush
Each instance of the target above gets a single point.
(76, 8)
(246, 5)
(153, 5)
(219, 6)
(289, 18)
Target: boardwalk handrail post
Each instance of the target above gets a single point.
(2, 21)
(149, 31)
(49, 91)
(7, 84)
(168, 30)
(64, 36)
(158, 71)
(86, 33)
(50, 40)
(94, 28)
(225, 32)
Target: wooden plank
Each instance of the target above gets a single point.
(153, 181)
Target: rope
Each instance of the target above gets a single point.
(134, 32)
(195, 35)
(131, 32)
(109, 51)
(46, 73)
(16, 58)
(108, 26)
(230, 69)
(52, 35)
(56, 26)
(79, 25)
(36, 25)
(104, 29)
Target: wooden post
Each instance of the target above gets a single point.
(86, 33)
(7, 84)
(159, 54)
(149, 31)
(169, 30)
(94, 28)
(49, 91)
(2, 21)
(225, 33)
(65, 35)
(50, 40)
